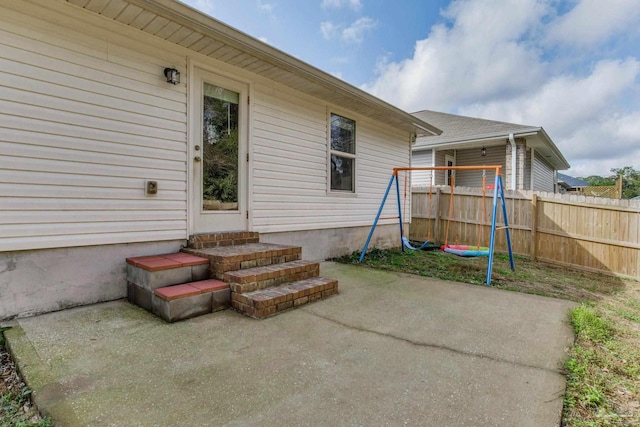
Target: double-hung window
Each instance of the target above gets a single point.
(342, 154)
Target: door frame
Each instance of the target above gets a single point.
(194, 199)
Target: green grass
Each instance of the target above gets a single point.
(16, 409)
(602, 371)
(529, 276)
(589, 325)
(12, 413)
(603, 368)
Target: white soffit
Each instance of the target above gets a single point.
(180, 24)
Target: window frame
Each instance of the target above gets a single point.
(331, 152)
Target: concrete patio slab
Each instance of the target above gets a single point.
(390, 349)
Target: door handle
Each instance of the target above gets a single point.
(197, 159)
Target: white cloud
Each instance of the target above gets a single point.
(488, 61)
(353, 4)
(355, 32)
(266, 7)
(351, 34)
(595, 21)
(328, 30)
(206, 6)
(565, 102)
(477, 57)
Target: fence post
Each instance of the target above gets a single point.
(436, 222)
(619, 186)
(534, 226)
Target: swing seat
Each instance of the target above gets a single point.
(408, 244)
(466, 250)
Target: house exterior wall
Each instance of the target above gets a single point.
(472, 157)
(87, 118)
(290, 173)
(39, 281)
(528, 165)
(423, 158)
(543, 175)
(85, 121)
(441, 176)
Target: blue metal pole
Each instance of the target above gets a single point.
(506, 224)
(399, 208)
(493, 229)
(373, 227)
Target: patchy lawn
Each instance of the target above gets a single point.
(603, 370)
(16, 408)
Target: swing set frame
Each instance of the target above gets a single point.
(498, 193)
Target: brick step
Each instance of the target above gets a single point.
(253, 279)
(213, 240)
(250, 255)
(178, 302)
(148, 273)
(267, 302)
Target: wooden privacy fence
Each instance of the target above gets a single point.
(589, 233)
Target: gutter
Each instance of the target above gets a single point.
(514, 163)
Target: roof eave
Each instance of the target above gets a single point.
(560, 163)
(489, 137)
(557, 159)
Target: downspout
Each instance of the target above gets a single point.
(513, 161)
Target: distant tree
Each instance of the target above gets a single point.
(630, 181)
(597, 180)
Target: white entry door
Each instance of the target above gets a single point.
(218, 149)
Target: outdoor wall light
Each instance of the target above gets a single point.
(172, 75)
(483, 151)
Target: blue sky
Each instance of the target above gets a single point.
(571, 66)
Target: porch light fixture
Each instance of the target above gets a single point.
(172, 75)
(483, 151)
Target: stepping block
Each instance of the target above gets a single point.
(173, 303)
(147, 273)
(157, 271)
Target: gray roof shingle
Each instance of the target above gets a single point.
(571, 181)
(459, 128)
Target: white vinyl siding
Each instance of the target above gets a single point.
(441, 176)
(543, 175)
(527, 168)
(289, 167)
(423, 158)
(471, 157)
(86, 117)
(85, 121)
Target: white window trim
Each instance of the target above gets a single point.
(341, 193)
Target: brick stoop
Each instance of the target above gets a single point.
(222, 269)
(214, 240)
(237, 257)
(267, 302)
(253, 279)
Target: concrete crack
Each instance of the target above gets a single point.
(434, 346)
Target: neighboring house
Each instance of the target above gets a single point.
(467, 141)
(568, 184)
(103, 158)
